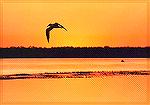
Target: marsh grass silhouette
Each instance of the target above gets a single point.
(78, 74)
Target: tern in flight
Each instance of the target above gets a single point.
(50, 27)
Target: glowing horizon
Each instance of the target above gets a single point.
(88, 24)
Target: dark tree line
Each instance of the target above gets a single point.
(75, 52)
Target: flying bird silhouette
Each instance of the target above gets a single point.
(50, 27)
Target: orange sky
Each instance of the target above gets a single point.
(88, 23)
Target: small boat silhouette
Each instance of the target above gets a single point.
(122, 61)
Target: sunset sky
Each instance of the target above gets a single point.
(89, 24)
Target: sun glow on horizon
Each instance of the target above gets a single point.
(88, 24)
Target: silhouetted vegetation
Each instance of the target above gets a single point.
(83, 74)
(75, 52)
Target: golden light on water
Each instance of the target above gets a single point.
(105, 89)
(120, 89)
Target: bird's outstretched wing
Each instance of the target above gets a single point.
(47, 34)
(62, 26)
(50, 27)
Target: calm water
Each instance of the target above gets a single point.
(117, 90)
(36, 65)
(112, 90)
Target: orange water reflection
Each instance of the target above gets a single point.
(105, 90)
(36, 65)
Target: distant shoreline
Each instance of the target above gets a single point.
(75, 52)
(86, 74)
